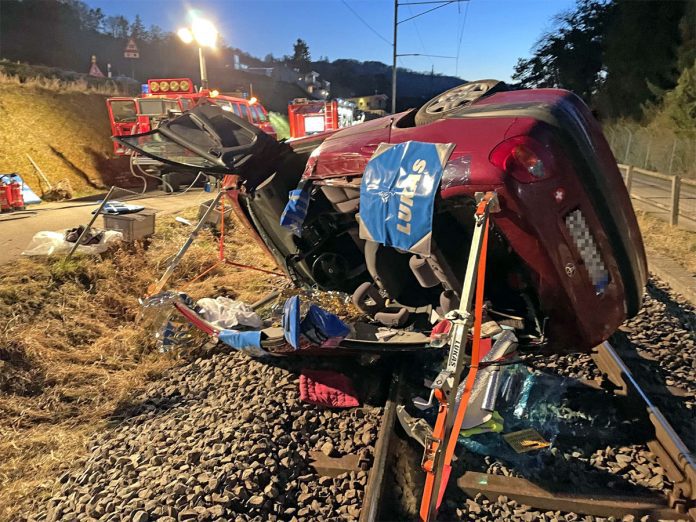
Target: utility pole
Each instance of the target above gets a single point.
(396, 25)
(439, 4)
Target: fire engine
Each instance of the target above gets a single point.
(163, 99)
(307, 117)
(170, 96)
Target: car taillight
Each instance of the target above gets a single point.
(524, 158)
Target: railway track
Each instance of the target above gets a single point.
(662, 440)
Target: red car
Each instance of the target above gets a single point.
(566, 264)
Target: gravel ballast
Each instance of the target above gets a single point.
(226, 438)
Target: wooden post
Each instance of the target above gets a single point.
(676, 185)
(629, 178)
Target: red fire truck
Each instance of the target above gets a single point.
(307, 117)
(170, 96)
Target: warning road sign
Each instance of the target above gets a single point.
(131, 50)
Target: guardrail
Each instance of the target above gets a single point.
(673, 187)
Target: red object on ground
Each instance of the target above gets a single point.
(327, 388)
(5, 197)
(17, 201)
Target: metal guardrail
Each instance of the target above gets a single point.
(679, 203)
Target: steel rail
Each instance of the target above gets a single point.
(670, 450)
(377, 478)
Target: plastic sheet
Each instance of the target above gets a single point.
(48, 243)
(397, 194)
(555, 406)
(170, 329)
(227, 313)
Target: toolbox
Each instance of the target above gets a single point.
(134, 227)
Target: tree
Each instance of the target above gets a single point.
(570, 57)
(301, 57)
(137, 29)
(117, 26)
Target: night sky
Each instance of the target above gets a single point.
(495, 32)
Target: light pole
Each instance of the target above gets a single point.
(205, 34)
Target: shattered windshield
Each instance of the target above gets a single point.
(162, 148)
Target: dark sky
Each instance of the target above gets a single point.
(495, 32)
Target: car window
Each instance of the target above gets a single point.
(235, 108)
(245, 111)
(124, 111)
(152, 107)
(259, 112)
(186, 103)
(254, 114)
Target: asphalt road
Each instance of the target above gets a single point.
(659, 192)
(17, 228)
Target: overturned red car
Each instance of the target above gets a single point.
(566, 264)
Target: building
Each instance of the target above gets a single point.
(374, 103)
(317, 88)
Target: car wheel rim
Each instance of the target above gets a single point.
(452, 100)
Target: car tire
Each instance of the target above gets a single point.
(455, 99)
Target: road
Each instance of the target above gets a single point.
(659, 192)
(17, 228)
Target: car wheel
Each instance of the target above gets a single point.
(456, 98)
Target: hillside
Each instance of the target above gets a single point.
(67, 133)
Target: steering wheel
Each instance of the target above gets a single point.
(330, 270)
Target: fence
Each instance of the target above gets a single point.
(653, 148)
(671, 193)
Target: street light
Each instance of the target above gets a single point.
(205, 34)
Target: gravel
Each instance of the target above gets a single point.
(664, 336)
(223, 438)
(226, 438)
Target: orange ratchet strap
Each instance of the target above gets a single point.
(433, 448)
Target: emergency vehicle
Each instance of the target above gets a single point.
(167, 97)
(307, 117)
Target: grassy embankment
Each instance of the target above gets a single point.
(63, 126)
(72, 356)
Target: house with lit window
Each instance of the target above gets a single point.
(374, 103)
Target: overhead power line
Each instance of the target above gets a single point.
(461, 37)
(365, 22)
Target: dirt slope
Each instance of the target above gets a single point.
(66, 133)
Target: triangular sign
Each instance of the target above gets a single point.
(131, 47)
(95, 71)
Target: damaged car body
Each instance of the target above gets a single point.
(566, 264)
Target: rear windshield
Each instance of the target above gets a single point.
(124, 111)
(162, 148)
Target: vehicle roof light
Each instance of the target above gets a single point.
(214, 93)
(253, 100)
(174, 85)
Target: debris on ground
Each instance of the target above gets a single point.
(327, 388)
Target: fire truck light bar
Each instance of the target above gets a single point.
(170, 85)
